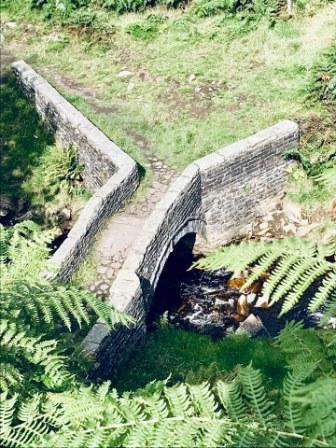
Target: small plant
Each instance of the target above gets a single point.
(123, 6)
(323, 84)
(147, 29)
(247, 9)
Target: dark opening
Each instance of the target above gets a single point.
(167, 293)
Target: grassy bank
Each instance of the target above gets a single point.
(185, 84)
(184, 356)
(39, 180)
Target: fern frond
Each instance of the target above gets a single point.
(293, 266)
(203, 400)
(252, 382)
(292, 384)
(9, 376)
(85, 417)
(17, 346)
(326, 292)
(302, 346)
(318, 402)
(279, 274)
(230, 397)
(30, 426)
(314, 272)
(263, 265)
(48, 302)
(235, 257)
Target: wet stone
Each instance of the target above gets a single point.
(252, 326)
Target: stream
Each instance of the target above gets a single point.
(210, 302)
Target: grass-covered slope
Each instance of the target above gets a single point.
(186, 84)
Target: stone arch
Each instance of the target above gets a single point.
(218, 197)
(192, 226)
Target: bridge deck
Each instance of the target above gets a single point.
(114, 241)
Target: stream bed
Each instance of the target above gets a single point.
(212, 303)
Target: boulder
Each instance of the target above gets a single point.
(252, 326)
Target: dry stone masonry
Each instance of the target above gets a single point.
(109, 173)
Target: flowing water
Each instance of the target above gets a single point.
(212, 303)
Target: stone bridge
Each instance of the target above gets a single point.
(217, 198)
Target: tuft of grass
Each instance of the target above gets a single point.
(147, 29)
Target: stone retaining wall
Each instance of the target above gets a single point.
(217, 197)
(109, 173)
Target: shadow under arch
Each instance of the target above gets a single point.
(166, 294)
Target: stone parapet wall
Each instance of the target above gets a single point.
(243, 180)
(217, 197)
(109, 173)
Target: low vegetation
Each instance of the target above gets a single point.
(186, 84)
(240, 409)
(39, 179)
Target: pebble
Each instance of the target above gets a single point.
(124, 74)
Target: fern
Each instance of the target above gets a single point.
(21, 352)
(303, 348)
(253, 388)
(241, 411)
(34, 308)
(294, 266)
(293, 383)
(323, 85)
(327, 291)
(49, 302)
(196, 416)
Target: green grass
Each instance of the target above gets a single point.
(197, 84)
(190, 357)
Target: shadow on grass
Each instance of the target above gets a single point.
(23, 141)
(191, 357)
